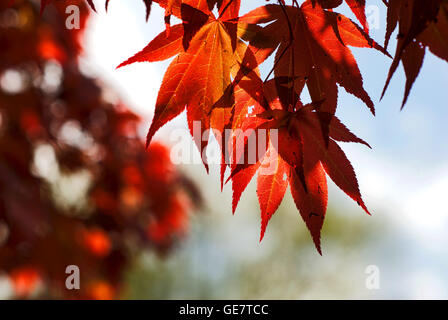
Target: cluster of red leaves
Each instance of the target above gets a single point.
(135, 199)
(215, 78)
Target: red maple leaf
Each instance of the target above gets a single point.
(315, 51)
(422, 24)
(300, 157)
(209, 51)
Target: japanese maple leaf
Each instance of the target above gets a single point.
(208, 51)
(422, 24)
(300, 158)
(314, 51)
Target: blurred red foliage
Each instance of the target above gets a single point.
(77, 186)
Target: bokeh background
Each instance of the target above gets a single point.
(403, 180)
